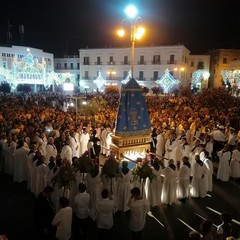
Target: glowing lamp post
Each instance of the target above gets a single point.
(137, 30)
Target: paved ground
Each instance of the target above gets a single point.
(17, 213)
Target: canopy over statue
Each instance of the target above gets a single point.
(132, 118)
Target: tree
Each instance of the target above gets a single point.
(5, 87)
(157, 90)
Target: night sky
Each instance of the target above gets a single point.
(62, 27)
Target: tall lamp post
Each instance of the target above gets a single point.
(137, 30)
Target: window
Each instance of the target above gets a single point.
(71, 65)
(86, 75)
(125, 60)
(4, 65)
(142, 59)
(86, 60)
(78, 66)
(111, 60)
(156, 59)
(192, 64)
(65, 65)
(171, 59)
(98, 60)
(155, 75)
(200, 65)
(224, 60)
(141, 75)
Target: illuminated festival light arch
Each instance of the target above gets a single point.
(198, 76)
(167, 81)
(232, 77)
(29, 70)
(99, 81)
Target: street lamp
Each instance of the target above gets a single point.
(137, 30)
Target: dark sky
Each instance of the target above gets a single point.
(63, 27)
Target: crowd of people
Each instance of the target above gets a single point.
(188, 135)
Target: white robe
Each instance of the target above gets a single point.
(67, 153)
(124, 191)
(171, 151)
(235, 164)
(75, 147)
(51, 151)
(183, 182)
(168, 195)
(160, 145)
(209, 175)
(84, 138)
(198, 186)
(155, 188)
(20, 172)
(223, 167)
(41, 178)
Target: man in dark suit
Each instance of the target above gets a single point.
(45, 213)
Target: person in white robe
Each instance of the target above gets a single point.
(74, 144)
(209, 175)
(160, 143)
(31, 155)
(185, 149)
(171, 147)
(223, 166)
(108, 140)
(198, 186)
(155, 186)
(42, 171)
(95, 187)
(42, 143)
(209, 146)
(235, 163)
(103, 140)
(13, 146)
(168, 195)
(124, 187)
(66, 152)
(183, 180)
(84, 138)
(51, 150)
(20, 173)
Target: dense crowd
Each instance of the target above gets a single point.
(41, 132)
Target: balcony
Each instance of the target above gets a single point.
(141, 62)
(171, 62)
(125, 63)
(111, 63)
(98, 63)
(156, 62)
(86, 63)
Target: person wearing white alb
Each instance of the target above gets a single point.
(105, 209)
(74, 144)
(235, 163)
(184, 149)
(183, 180)
(160, 143)
(51, 150)
(20, 169)
(81, 205)
(209, 146)
(42, 143)
(223, 166)
(66, 152)
(168, 195)
(209, 175)
(198, 186)
(63, 220)
(84, 138)
(171, 147)
(139, 208)
(155, 185)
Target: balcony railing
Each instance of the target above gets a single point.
(125, 63)
(171, 62)
(86, 63)
(111, 63)
(156, 62)
(98, 63)
(141, 62)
